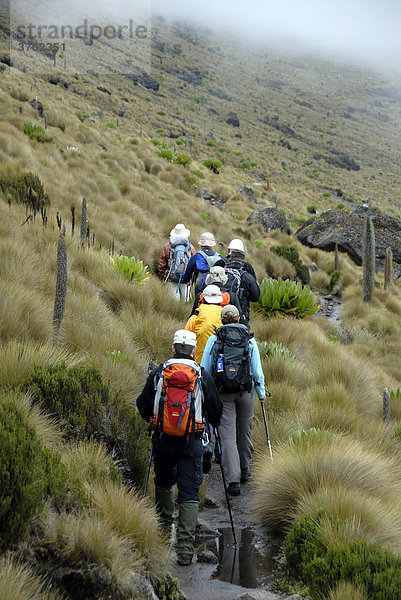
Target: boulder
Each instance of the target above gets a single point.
(247, 192)
(346, 229)
(207, 557)
(270, 218)
(233, 119)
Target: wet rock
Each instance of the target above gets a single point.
(270, 218)
(258, 595)
(204, 530)
(143, 587)
(247, 192)
(312, 267)
(233, 119)
(207, 557)
(346, 229)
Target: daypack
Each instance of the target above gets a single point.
(180, 253)
(203, 262)
(234, 280)
(232, 360)
(177, 407)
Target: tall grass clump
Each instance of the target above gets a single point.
(19, 582)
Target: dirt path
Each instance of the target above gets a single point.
(244, 573)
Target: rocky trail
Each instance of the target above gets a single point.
(221, 571)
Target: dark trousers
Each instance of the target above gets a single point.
(178, 461)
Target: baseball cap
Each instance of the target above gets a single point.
(183, 336)
(229, 308)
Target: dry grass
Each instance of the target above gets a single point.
(90, 463)
(135, 519)
(19, 582)
(345, 590)
(89, 538)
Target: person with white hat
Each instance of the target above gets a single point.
(237, 244)
(200, 263)
(174, 259)
(206, 318)
(178, 453)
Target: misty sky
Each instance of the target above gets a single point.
(363, 30)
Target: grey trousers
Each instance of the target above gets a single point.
(235, 433)
(179, 292)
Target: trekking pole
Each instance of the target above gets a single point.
(148, 472)
(225, 485)
(268, 394)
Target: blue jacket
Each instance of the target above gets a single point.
(256, 365)
(191, 269)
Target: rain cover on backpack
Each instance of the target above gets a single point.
(180, 253)
(232, 360)
(177, 408)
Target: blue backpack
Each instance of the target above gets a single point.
(203, 262)
(180, 253)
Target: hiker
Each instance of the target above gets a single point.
(217, 276)
(232, 357)
(200, 263)
(237, 244)
(241, 282)
(176, 441)
(173, 261)
(207, 317)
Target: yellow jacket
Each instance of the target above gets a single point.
(203, 324)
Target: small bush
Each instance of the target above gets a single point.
(28, 471)
(270, 349)
(24, 189)
(111, 125)
(248, 165)
(173, 156)
(340, 205)
(130, 268)
(36, 132)
(291, 254)
(210, 162)
(198, 173)
(222, 149)
(243, 232)
(285, 298)
(322, 566)
(311, 209)
(335, 277)
(161, 113)
(211, 143)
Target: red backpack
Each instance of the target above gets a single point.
(177, 408)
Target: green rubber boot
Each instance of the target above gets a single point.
(165, 506)
(187, 518)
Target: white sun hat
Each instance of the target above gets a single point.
(207, 239)
(180, 231)
(236, 245)
(212, 294)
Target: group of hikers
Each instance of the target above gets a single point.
(201, 400)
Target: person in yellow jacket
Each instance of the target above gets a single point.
(207, 318)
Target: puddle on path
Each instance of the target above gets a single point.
(251, 564)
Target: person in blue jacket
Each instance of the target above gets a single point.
(199, 264)
(238, 404)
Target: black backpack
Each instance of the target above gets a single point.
(232, 360)
(234, 280)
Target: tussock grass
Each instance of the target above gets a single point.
(90, 463)
(46, 427)
(345, 590)
(360, 515)
(19, 582)
(89, 538)
(18, 359)
(321, 460)
(134, 518)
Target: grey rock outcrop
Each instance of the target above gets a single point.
(247, 192)
(346, 229)
(270, 218)
(233, 119)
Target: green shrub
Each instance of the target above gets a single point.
(130, 268)
(74, 395)
(36, 132)
(210, 162)
(311, 208)
(335, 277)
(291, 254)
(161, 113)
(24, 189)
(326, 194)
(198, 173)
(172, 156)
(340, 205)
(260, 243)
(321, 566)
(111, 125)
(243, 232)
(28, 471)
(205, 217)
(192, 180)
(222, 149)
(270, 349)
(179, 141)
(211, 143)
(246, 164)
(285, 298)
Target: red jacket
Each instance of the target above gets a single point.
(164, 256)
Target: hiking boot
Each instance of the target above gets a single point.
(234, 488)
(245, 475)
(207, 462)
(184, 561)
